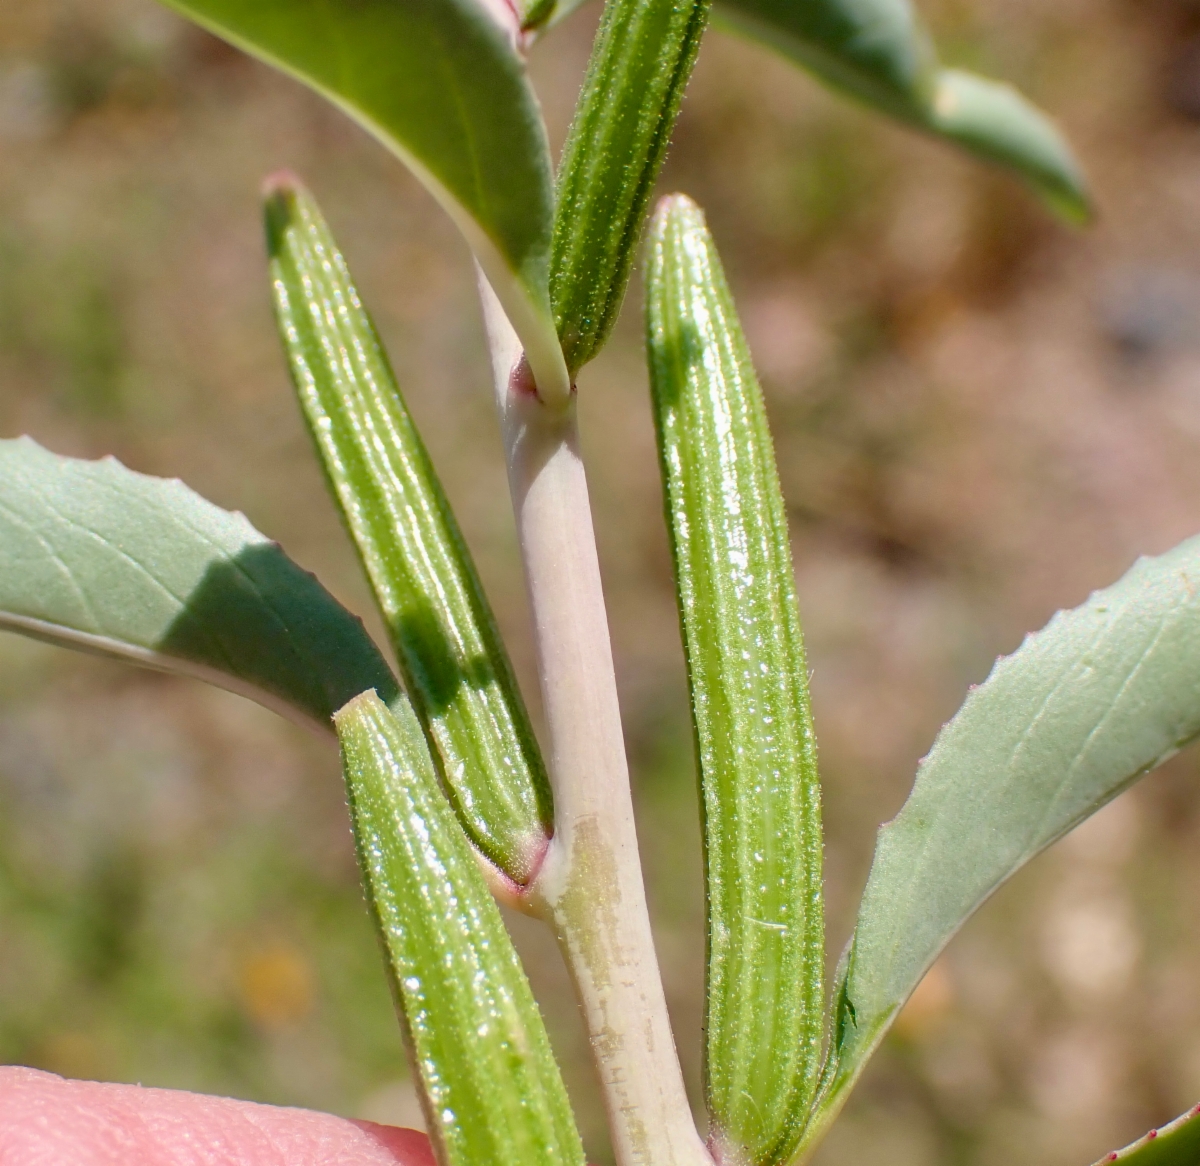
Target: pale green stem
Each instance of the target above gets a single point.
(590, 884)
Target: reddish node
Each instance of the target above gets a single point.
(1152, 1135)
(521, 382)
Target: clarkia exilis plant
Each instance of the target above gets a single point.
(452, 800)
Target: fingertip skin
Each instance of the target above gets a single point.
(47, 1120)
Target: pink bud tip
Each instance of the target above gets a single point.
(279, 181)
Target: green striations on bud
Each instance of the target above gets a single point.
(643, 57)
(750, 704)
(438, 618)
(489, 1083)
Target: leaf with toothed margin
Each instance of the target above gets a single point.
(443, 84)
(1176, 1144)
(490, 1087)
(97, 557)
(1097, 699)
(764, 997)
(456, 670)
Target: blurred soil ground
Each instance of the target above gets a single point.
(980, 415)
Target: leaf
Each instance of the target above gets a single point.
(994, 122)
(1177, 1144)
(878, 52)
(534, 14)
(749, 695)
(442, 84)
(640, 65)
(490, 1087)
(442, 629)
(1079, 712)
(875, 50)
(95, 556)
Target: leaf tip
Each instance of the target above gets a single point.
(994, 121)
(537, 14)
(1074, 207)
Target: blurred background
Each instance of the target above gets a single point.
(980, 417)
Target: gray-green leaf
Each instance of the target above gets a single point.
(878, 52)
(442, 83)
(640, 65)
(1080, 711)
(1176, 1144)
(490, 1086)
(97, 557)
(749, 695)
(456, 670)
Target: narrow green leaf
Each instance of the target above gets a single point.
(442, 84)
(1177, 1144)
(1080, 711)
(874, 50)
(97, 557)
(878, 52)
(491, 1088)
(441, 626)
(996, 123)
(749, 693)
(640, 66)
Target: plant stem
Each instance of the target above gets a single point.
(590, 884)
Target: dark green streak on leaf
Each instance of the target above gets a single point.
(95, 556)
(491, 1089)
(750, 706)
(640, 66)
(441, 626)
(1097, 699)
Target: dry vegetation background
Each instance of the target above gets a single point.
(980, 417)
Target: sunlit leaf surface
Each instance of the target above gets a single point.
(443, 84)
(97, 557)
(1080, 711)
(878, 52)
